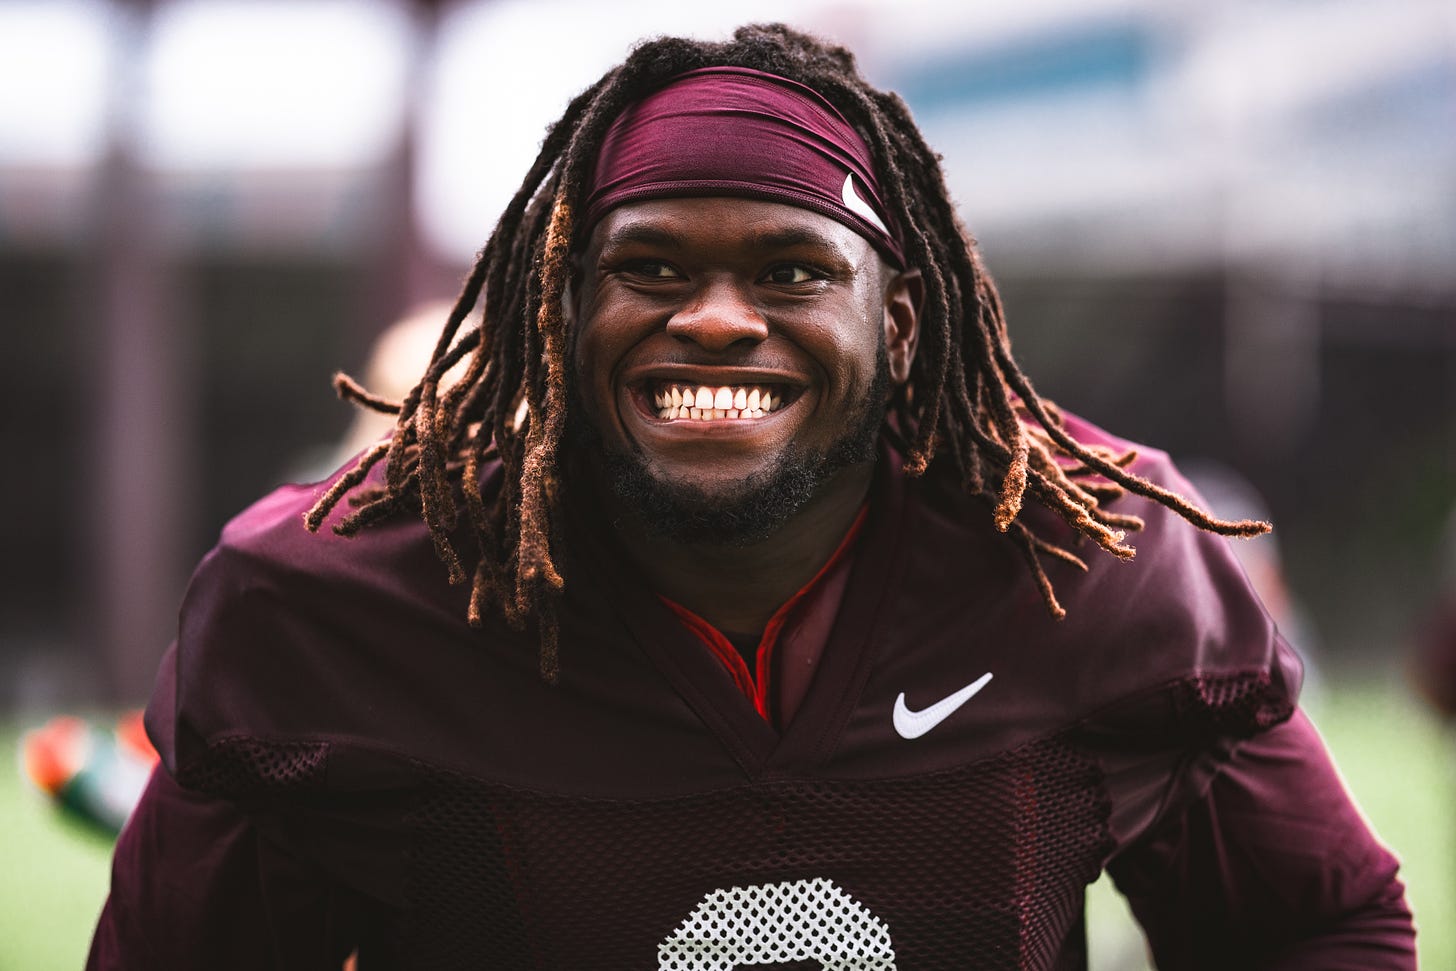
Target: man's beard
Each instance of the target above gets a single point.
(760, 504)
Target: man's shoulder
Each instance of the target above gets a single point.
(392, 557)
(271, 536)
(965, 519)
(1179, 617)
(384, 578)
(291, 635)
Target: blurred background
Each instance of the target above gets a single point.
(1224, 228)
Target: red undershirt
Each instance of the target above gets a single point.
(792, 641)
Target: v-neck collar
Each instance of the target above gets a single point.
(706, 685)
(754, 671)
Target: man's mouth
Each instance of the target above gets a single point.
(694, 402)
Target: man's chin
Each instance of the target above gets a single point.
(750, 510)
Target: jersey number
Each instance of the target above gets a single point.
(779, 923)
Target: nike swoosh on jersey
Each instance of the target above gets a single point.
(913, 724)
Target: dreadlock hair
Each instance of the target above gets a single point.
(967, 399)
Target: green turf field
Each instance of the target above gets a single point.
(54, 876)
(1401, 765)
(1398, 762)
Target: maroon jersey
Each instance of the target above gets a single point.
(349, 765)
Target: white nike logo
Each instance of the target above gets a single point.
(913, 724)
(857, 205)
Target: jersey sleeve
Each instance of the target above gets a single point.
(194, 885)
(241, 852)
(1273, 867)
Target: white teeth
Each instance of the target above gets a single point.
(702, 403)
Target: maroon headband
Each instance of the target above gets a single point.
(734, 131)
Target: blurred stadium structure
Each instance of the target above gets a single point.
(1228, 228)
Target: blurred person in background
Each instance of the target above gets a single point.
(396, 361)
(1232, 496)
(781, 622)
(1433, 669)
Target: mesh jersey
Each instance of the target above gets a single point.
(642, 814)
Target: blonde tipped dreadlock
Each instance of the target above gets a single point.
(966, 395)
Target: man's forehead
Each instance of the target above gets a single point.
(756, 223)
(730, 226)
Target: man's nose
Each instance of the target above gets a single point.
(717, 316)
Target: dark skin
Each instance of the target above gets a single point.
(735, 293)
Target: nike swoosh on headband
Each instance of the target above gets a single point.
(852, 201)
(913, 724)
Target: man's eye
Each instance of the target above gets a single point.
(789, 274)
(653, 269)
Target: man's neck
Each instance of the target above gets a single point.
(738, 588)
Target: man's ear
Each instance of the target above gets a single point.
(904, 295)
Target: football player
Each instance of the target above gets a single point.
(742, 604)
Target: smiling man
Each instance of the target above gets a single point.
(734, 364)
(747, 650)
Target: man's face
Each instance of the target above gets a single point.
(786, 317)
